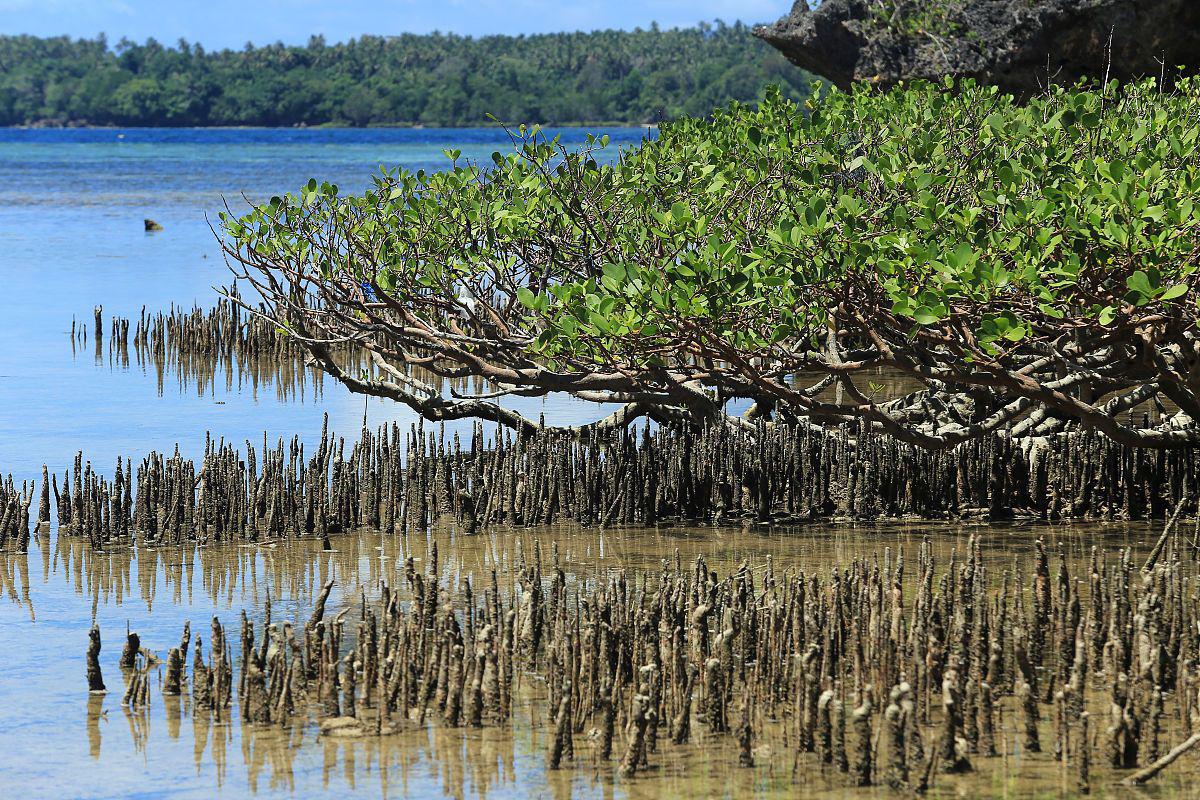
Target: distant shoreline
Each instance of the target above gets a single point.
(628, 78)
(326, 126)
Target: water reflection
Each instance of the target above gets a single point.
(291, 573)
(457, 763)
(445, 762)
(223, 349)
(241, 759)
(205, 373)
(14, 580)
(95, 715)
(169, 747)
(228, 576)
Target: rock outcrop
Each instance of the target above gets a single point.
(1016, 44)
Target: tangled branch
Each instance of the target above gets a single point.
(1028, 269)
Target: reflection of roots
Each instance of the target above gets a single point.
(95, 709)
(139, 727)
(136, 700)
(220, 347)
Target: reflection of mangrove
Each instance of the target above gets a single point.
(208, 348)
(14, 580)
(233, 574)
(396, 481)
(269, 752)
(180, 575)
(885, 677)
(223, 346)
(95, 710)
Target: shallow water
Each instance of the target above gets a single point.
(71, 205)
(58, 733)
(71, 236)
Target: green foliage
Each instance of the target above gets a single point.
(442, 80)
(917, 17)
(961, 217)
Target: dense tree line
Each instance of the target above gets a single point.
(438, 79)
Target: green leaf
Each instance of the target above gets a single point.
(1016, 333)
(782, 332)
(925, 316)
(527, 298)
(615, 271)
(1178, 290)
(1140, 282)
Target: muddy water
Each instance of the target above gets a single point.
(56, 737)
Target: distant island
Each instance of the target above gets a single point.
(442, 80)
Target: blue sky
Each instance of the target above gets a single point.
(231, 23)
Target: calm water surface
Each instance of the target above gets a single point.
(55, 734)
(71, 210)
(71, 237)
